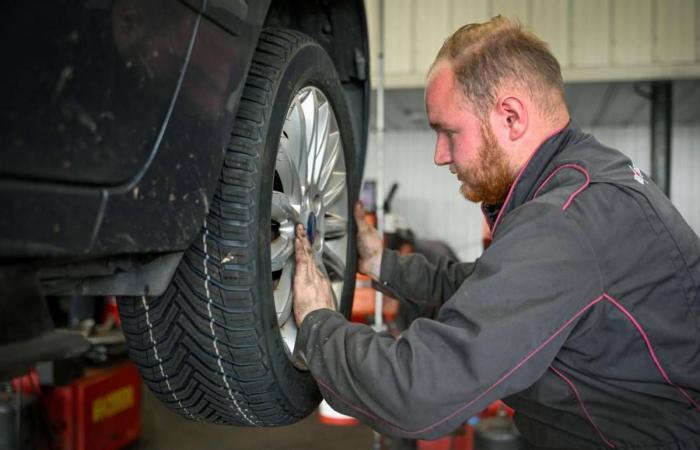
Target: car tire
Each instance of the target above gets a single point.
(216, 347)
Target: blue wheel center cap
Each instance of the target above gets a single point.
(311, 227)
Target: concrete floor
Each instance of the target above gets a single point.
(164, 430)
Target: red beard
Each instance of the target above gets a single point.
(490, 181)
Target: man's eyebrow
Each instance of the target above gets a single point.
(436, 125)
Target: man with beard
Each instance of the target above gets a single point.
(583, 314)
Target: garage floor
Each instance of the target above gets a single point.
(163, 429)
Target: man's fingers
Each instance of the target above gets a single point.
(302, 251)
(299, 252)
(359, 214)
(300, 230)
(301, 234)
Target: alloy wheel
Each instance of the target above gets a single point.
(310, 188)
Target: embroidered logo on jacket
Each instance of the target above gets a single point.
(638, 175)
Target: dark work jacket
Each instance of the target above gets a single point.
(583, 314)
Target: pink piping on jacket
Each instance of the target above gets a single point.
(583, 407)
(650, 349)
(477, 398)
(577, 191)
(517, 178)
(592, 303)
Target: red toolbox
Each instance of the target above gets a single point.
(99, 411)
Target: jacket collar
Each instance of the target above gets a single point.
(529, 176)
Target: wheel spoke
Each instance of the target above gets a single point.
(293, 148)
(334, 262)
(335, 226)
(338, 292)
(280, 252)
(288, 171)
(288, 330)
(332, 153)
(282, 246)
(323, 269)
(283, 294)
(282, 209)
(322, 133)
(335, 188)
(309, 111)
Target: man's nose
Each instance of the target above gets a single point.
(442, 153)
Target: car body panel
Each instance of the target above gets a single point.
(146, 188)
(77, 208)
(89, 87)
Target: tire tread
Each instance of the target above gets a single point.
(180, 323)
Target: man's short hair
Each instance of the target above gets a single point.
(486, 55)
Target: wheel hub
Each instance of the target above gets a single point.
(311, 227)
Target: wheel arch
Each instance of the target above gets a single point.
(340, 27)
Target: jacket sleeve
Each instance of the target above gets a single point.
(494, 337)
(413, 280)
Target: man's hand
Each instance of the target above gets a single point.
(312, 290)
(369, 245)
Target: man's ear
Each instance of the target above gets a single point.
(512, 115)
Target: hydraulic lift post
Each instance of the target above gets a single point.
(661, 132)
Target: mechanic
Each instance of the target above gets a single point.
(583, 314)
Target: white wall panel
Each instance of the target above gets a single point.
(594, 40)
(685, 170)
(373, 29)
(428, 196)
(675, 31)
(469, 11)
(632, 28)
(590, 39)
(432, 26)
(514, 9)
(633, 141)
(550, 21)
(399, 34)
(697, 31)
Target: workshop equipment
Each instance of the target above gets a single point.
(16, 410)
(497, 433)
(329, 416)
(99, 410)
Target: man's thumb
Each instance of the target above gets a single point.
(299, 252)
(359, 214)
